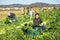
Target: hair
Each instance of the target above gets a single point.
(36, 14)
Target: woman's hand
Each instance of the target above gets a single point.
(40, 24)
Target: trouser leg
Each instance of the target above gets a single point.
(30, 16)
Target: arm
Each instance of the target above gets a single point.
(40, 22)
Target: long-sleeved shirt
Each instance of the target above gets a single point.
(36, 22)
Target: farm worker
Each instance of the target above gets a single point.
(37, 23)
(31, 12)
(25, 10)
(12, 17)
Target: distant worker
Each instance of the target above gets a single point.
(12, 18)
(31, 13)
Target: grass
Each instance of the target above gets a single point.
(14, 31)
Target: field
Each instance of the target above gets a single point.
(14, 31)
(3, 14)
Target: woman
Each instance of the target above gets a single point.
(37, 23)
(11, 18)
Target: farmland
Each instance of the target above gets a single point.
(14, 31)
(3, 14)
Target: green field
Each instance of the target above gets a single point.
(14, 31)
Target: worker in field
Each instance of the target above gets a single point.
(37, 23)
(31, 13)
(11, 18)
(38, 28)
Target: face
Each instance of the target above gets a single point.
(37, 16)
